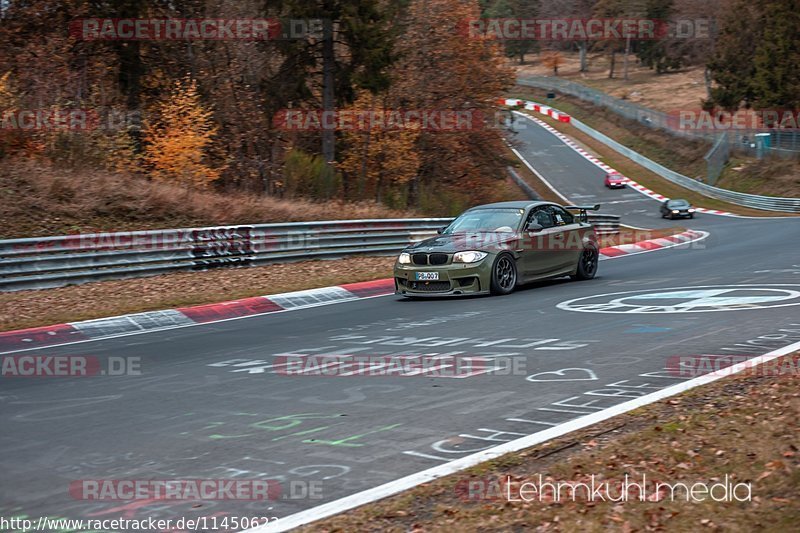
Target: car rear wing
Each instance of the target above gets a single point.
(583, 210)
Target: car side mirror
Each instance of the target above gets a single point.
(533, 226)
(441, 230)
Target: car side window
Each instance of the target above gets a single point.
(561, 217)
(542, 217)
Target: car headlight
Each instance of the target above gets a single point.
(675, 211)
(468, 257)
(404, 259)
(691, 210)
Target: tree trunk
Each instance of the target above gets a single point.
(582, 54)
(328, 97)
(613, 63)
(362, 179)
(627, 51)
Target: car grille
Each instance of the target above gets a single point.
(437, 259)
(429, 259)
(429, 286)
(420, 259)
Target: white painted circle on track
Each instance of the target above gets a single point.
(701, 299)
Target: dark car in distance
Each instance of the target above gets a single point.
(677, 208)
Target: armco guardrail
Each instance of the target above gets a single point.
(604, 224)
(781, 143)
(45, 262)
(40, 263)
(767, 203)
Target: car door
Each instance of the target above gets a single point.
(538, 255)
(568, 239)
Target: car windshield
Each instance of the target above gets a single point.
(678, 203)
(497, 220)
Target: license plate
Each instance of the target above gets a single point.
(426, 276)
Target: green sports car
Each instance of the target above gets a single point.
(495, 247)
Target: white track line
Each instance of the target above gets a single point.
(393, 487)
(541, 178)
(641, 189)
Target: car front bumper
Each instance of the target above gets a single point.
(454, 280)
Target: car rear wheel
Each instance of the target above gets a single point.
(587, 264)
(504, 275)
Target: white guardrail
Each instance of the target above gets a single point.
(45, 262)
(755, 201)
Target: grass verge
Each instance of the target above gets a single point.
(37, 199)
(742, 426)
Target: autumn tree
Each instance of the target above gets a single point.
(552, 59)
(351, 50)
(378, 155)
(178, 138)
(442, 69)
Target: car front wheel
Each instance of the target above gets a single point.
(587, 264)
(504, 275)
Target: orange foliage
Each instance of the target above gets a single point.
(177, 140)
(552, 59)
(379, 157)
(441, 70)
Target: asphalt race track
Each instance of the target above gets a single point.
(210, 405)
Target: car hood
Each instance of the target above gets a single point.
(458, 242)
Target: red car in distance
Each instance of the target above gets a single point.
(615, 180)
